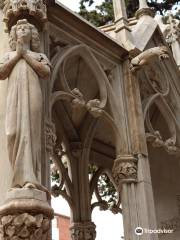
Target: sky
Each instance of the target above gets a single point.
(74, 4)
(108, 225)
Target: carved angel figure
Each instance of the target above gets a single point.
(24, 67)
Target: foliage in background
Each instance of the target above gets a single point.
(103, 14)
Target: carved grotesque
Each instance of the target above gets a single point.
(25, 68)
(147, 56)
(93, 107)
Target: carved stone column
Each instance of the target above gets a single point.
(131, 171)
(123, 32)
(82, 227)
(131, 174)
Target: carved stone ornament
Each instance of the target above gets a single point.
(93, 107)
(24, 226)
(83, 231)
(172, 33)
(2, 3)
(148, 56)
(25, 215)
(173, 224)
(16, 9)
(50, 137)
(157, 141)
(125, 169)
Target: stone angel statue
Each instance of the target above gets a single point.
(24, 67)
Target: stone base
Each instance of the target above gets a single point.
(25, 215)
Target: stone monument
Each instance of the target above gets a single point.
(25, 213)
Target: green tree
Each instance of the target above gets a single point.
(103, 14)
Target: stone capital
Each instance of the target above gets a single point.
(125, 169)
(83, 231)
(144, 12)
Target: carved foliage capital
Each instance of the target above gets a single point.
(83, 231)
(24, 226)
(125, 169)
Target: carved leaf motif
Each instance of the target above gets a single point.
(19, 220)
(30, 220)
(15, 238)
(45, 225)
(6, 220)
(24, 226)
(39, 220)
(38, 234)
(10, 230)
(24, 232)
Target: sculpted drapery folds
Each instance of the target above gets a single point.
(25, 68)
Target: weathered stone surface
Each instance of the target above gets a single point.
(24, 67)
(83, 231)
(24, 230)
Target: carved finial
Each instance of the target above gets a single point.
(144, 9)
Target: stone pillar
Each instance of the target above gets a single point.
(123, 32)
(131, 171)
(82, 227)
(132, 176)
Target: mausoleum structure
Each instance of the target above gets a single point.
(82, 98)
